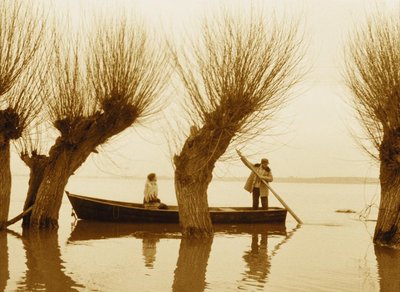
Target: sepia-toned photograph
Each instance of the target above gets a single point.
(200, 145)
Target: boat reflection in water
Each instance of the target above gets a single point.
(45, 270)
(91, 230)
(193, 256)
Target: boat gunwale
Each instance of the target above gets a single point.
(175, 208)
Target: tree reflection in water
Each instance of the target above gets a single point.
(45, 270)
(4, 272)
(191, 267)
(388, 268)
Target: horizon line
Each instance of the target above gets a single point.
(321, 179)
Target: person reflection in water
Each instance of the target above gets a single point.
(257, 259)
(149, 250)
(151, 200)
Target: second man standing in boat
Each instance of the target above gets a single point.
(255, 186)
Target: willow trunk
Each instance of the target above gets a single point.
(194, 215)
(387, 229)
(50, 193)
(65, 158)
(35, 179)
(193, 174)
(5, 183)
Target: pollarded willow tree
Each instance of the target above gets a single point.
(91, 99)
(373, 76)
(236, 76)
(21, 36)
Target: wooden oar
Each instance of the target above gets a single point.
(253, 169)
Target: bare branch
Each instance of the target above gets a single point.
(20, 39)
(22, 30)
(126, 68)
(373, 76)
(239, 73)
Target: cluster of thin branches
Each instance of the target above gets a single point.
(114, 67)
(373, 76)
(236, 75)
(125, 67)
(239, 72)
(22, 30)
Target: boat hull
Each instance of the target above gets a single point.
(88, 208)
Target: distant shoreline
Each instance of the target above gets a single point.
(318, 180)
(321, 180)
(329, 180)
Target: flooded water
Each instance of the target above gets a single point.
(331, 251)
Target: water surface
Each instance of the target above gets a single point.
(331, 252)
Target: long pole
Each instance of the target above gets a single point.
(253, 169)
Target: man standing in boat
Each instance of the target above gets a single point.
(255, 186)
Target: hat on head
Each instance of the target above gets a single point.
(264, 160)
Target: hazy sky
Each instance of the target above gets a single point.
(315, 137)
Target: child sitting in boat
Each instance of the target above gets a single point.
(151, 199)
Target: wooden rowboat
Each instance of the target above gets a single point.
(96, 209)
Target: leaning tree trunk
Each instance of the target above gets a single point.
(193, 174)
(5, 178)
(191, 193)
(50, 193)
(58, 169)
(387, 229)
(67, 155)
(37, 165)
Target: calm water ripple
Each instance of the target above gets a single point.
(331, 252)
